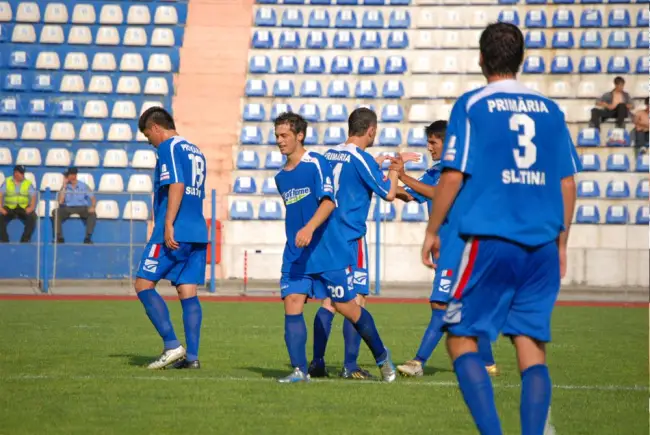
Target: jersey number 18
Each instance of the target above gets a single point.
(198, 170)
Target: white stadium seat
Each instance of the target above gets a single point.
(449, 88)
(420, 89)
(80, 35)
(100, 84)
(162, 37)
(52, 34)
(6, 13)
(116, 158)
(62, 131)
(96, 109)
(52, 180)
(88, 179)
(138, 14)
(48, 60)
(5, 157)
(472, 63)
(451, 39)
(84, 13)
(142, 159)
(56, 13)
(107, 209)
(57, 157)
(111, 14)
(128, 85)
(33, 130)
(419, 113)
(425, 39)
(471, 38)
(450, 18)
(29, 157)
(426, 19)
(156, 86)
(135, 36)
(28, 12)
(149, 104)
(107, 35)
(140, 183)
(124, 109)
(104, 62)
(120, 132)
(91, 131)
(442, 111)
(111, 183)
(40, 209)
(165, 15)
(23, 33)
(76, 61)
(136, 210)
(159, 63)
(132, 62)
(422, 65)
(8, 130)
(87, 158)
(559, 89)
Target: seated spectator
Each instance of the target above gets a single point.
(74, 198)
(19, 198)
(614, 104)
(640, 132)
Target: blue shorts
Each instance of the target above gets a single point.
(185, 265)
(447, 268)
(359, 250)
(335, 284)
(504, 287)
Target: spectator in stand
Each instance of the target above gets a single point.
(74, 198)
(613, 104)
(19, 198)
(640, 132)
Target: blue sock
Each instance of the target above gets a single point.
(535, 399)
(295, 336)
(366, 328)
(431, 337)
(322, 328)
(476, 386)
(192, 317)
(485, 350)
(352, 341)
(158, 313)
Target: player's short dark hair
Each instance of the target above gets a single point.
(502, 48)
(618, 80)
(360, 121)
(296, 123)
(437, 128)
(158, 116)
(647, 101)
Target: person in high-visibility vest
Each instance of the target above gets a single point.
(17, 201)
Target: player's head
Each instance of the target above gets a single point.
(436, 138)
(362, 125)
(290, 131)
(502, 50)
(157, 125)
(619, 83)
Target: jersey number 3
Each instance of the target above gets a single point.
(526, 158)
(198, 170)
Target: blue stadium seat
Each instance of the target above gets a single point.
(642, 189)
(368, 65)
(320, 2)
(262, 39)
(289, 40)
(294, 2)
(10, 106)
(310, 112)
(338, 89)
(642, 163)
(346, 19)
(270, 137)
(386, 211)
(643, 215)
(254, 112)
(259, 64)
(316, 40)
(370, 40)
(413, 212)
(508, 2)
(535, 19)
(390, 137)
(278, 109)
(341, 65)
(618, 189)
(587, 214)
(399, 19)
(392, 113)
(245, 185)
(20, 59)
(248, 159)
(642, 65)
(588, 189)
(617, 215)
(68, 108)
(591, 39)
(269, 187)
(241, 210)
(5, 32)
(566, 2)
(619, 39)
(365, 89)
(344, 40)
(589, 137)
(319, 18)
(372, 19)
(642, 18)
(395, 65)
(311, 89)
(256, 88)
(334, 135)
(311, 138)
(510, 17)
(393, 89)
(314, 65)
(283, 88)
(619, 1)
(563, 39)
(419, 165)
(336, 113)
(590, 162)
(416, 137)
(536, 2)
(250, 135)
(270, 210)
(292, 18)
(618, 65)
(348, 2)
(562, 64)
(563, 18)
(265, 17)
(536, 39)
(590, 65)
(618, 163)
(642, 40)
(287, 64)
(619, 18)
(618, 137)
(591, 18)
(14, 82)
(534, 65)
(397, 40)
(274, 160)
(43, 82)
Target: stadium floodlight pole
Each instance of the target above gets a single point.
(213, 243)
(46, 243)
(378, 245)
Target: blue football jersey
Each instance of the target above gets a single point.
(180, 162)
(431, 177)
(302, 189)
(514, 147)
(356, 176)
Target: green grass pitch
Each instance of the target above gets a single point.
(75, 367)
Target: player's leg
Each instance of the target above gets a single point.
(529, 323)
(322, 328)
(295, 291)
(485, 351)
(430, 340)
(154, 265)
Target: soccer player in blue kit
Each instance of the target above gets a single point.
(508, 166)
(315, 254)
(177, 248)
(423, 190)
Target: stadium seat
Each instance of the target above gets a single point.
(111, 183)
(419, 165)
(618, 137)
(534, 65)
(265, 17)
(283, 88)
(5, 157)
(397, 40)
(589, 137)
(319, 18)
(38, 107)
(536, 39)
(107, 35)
(334, 135)
(413, 212)
(111, 14)
(390, 136)
(10, 106)
(588, 189)
(251, 135)
(144, 159)
(372, 19)
(392, 113)
(345, 19)
(336, 113)
(617, 215)
(14, 82)
(587, 214)
(311, 138)
(316, 40)
(560, 89)
(56, 13)
(341, 65)
(535, 19)
(310, 112)
(619, 39)
(136, 36)
(278, 109)
(642, 65)
(87, 158)
(22, 59)
(642, 40)
(23, 33)
(370, 40)
(245, 185)
(509, 16)
(136, 210)
(563, 18)
(618, 65)
(6, 13)
(100, 84)
(292, 18)
(399, 19)
(338, 89)
(87, 178)
(642, 163)
(241, 210)
(642, 18)
(262, 39)
(115, 158)
(124, 109)
(248, 159)
(133, 62)
(395, 65)
(80, 35)
(563, 39)
(344, 40)
(140, 183)
(35, 130)
(119, 132)
(591, 18)
(562, 64)
(591, 39)
(289, 39)
(590, 65)
(28, 156)
(643, 215)
(314, 65)
(286, 65)
(270, 209)
(259, 65)
(67, 109)
(40, 208)
(107, 209)
(128, 85)
(618, 189)
(51, 180)
(618, 163)
(386, 211)
(162, 37)
(269, 187)
(166, 15)
(256, 88)
(84, 13)
(393, 89)
(52, 34)
(619, 18)
(311, 89)
(58, 157)
(274, 160)
(368, 65)
(138, 15)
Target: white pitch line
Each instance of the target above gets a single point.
(172, 378)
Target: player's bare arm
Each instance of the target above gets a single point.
(569, 200)
(403, 195)
(422, 188)
(324, 210)
(175, 196)
(393, 176)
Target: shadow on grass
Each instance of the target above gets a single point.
(434, 370)
(269, 372)
(136, 360)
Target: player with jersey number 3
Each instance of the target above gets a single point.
(508, 168)
(178, 245)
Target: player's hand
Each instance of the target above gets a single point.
(410, 157)
(431, 246)
(563, 261)
(3, 211)
(169, 237)
(397, 165)
(381, 158)
(28, 210)
(303, 238)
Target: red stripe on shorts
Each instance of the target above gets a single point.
(156, 252)
(360, 253)
(467, 273)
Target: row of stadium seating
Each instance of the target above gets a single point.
(86, 83)
(483, 3)
(108, 182)
(70, 130)
(83, 157)
(74, 107)
(120, 206)
(90, 12)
